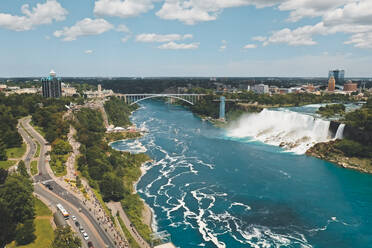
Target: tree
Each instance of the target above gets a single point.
(3, 175)
(3, 156)
(65, 238)
(25, 233)
(22, 169)
(78, 182)
(61, 147)
(112, 187)
(18, 198)
(7, 224)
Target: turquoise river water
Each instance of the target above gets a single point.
(208, 189)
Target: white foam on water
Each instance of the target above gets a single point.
(293, 131)
(246, 207)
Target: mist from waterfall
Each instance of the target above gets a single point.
(293, 131)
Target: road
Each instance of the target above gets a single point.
(31, 148)
(59, 194)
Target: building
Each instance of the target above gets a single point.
(51, 86)
(68, 91)
(338, 75)
(308, 88)
(260, 88)
(331, 84)
(350, 86)
(274, 89)
(26, 91)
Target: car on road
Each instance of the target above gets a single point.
(73, 218)
(90, 244)
(86, 237)
(49, 186)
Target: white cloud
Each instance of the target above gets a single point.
(88, 51)
(84, 27)
(179, 46)
(193, 11)
(161, 37)
(362, 40)
(352, 17)
(259, 38)
(309, 8)
(123, 28)
(44, 13)
(122, 8)
(223, 45)
(299, 36)
(250, 46)
(125, 38)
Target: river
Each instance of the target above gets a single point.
(208, 189)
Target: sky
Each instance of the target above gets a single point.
(209, 38)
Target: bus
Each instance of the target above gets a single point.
(63, 211)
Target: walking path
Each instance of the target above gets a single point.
(117, 208)
(90, 201)
(70, 164)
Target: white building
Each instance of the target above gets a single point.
(68, 91)
(260, 88)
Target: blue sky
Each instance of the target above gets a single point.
(185, 37)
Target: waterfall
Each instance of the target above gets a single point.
(293, 131)
(340, 131)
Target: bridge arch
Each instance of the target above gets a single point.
(156, 96)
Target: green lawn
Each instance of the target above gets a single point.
(37, 154)
(41, 209)
(58, 165)
(34, 169)
(16, 152)
(44, 231)
(7, 164)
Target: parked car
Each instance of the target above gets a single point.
(86, 237)
(81, 229)
(77, 223)
(73, 218)
(90, 244)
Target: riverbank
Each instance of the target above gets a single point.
(328, 151)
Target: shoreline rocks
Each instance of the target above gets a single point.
(327, 151)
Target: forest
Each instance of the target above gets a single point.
(118, 112)
(209, 104)
(109, 171)
(17, 207)
(331, 110)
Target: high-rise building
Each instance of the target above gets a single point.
(339, 76)
(350, 86)
(51, 86)
(331, 84)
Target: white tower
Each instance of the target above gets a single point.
(52, 73)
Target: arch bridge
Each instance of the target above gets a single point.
(136, 98)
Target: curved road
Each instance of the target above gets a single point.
(60, 195)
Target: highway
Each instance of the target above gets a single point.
(59, 194)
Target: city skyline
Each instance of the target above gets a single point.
(112, 38)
